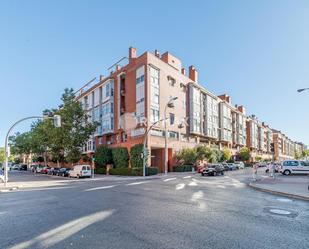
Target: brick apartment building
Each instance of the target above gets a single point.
(140, 90)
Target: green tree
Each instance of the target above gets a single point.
(75, 129)
(203, 152)
(258, 158)
(218, 156)
(120, 157)
(135, 156)
(244, 154)
(103, 156)
(226, 154)
(21, 143)
(187, 156)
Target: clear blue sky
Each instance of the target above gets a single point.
(256, 51)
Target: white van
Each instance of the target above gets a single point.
(289, 167)
(80, 171)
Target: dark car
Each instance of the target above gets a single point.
(213, 170)
(23, 167)
(55, 171)
(226, 166)
(63, 172)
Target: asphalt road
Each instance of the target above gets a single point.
(179, 211)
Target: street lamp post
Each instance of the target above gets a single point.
(302, 89)
(57, 123)
(144, 145)
(170, 104)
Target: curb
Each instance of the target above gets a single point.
(294, 196)
(8, 189)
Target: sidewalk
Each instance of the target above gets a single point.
(291, 186)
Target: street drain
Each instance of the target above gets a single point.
(280, 211)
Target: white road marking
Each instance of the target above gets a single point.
(180, 186)
(135, 183)
(186, 177)
(192, 184)
(169, 179)
(98, 188)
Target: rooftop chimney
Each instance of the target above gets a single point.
(118, 67)
(157, 53)
(241, 109)
(101, 77)
(183, 71)
(132, 53)
(225, 97)
(193, 73)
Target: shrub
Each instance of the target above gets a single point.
(120, 171)
(103, 156)
(226, 154)
(244, 154)
(100, 171)
(135, 156)
(120, 157)
(149, 171)
(182, 168)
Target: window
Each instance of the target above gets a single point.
(173, 134)
(154, 115)
(107, 93)
(172, 118)
(171, 81)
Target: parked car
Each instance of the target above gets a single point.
(15, 167)
(289, 167)
(225, 166)
(262, 164)
(45, 170)
(23, 167)
(63, 172)
(232, 166)
(213, 170)
(39, 168)
(55, 171)
(200, 168)
(240, 165)
(79, 171)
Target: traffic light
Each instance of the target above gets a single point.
(145, 153)
(272, 147)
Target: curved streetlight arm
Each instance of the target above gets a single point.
(302, 89)
(7, 138)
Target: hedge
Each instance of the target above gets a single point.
(103, 156)
(135, 156)
(120, 171)
(150, 171)
(182, 168)
(100, 171)
(120, 157)
(134, 171)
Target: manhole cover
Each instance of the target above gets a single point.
(284, 200)
(280, 211)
